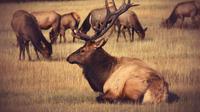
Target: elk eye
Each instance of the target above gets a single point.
(81, 51)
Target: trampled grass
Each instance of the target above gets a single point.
(57, 86)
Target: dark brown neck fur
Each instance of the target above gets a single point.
(98, 69)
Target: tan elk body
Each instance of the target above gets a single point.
(133, 79)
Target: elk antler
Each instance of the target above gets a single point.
(113, 2)
(110, 19)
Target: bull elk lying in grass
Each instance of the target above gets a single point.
(26, 29)
(181, 10)
(68, 21)
(117, 78)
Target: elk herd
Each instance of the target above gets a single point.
(115, 78)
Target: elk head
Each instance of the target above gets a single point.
(47, 51)
(166, 23)
(142, 33)
(94, 43)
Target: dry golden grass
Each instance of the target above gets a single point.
(57, 86)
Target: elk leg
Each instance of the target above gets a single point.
(23, 51)
(64, 38)
(27, 50)
(134, 89)
(36, 52)
(129, 33)
(108, 96)
(56, 28)
(22, 47)
(123, 32)
(61, 38)
(132, 36)
(119, 31)
(72, 33)
(193, 18)
(198, 20)
(61, 35)
(182, 19)
(73, 37)
(19, 41)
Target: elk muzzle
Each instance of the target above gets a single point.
(70, 60)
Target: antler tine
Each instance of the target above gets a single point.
(114, 4)
(129, 1)
(123, 2)
(107, 7)
(80, 35)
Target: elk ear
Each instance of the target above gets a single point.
(145, 29)
(100, 43)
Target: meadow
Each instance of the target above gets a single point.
(57, 86)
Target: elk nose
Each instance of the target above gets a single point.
(67, 59)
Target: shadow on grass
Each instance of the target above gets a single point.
(71, 99)
(171, 99)
(185, 26)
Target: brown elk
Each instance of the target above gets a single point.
(95, 18)
(26, 29)
(47, 20)
(130, 21)
(69, 21)
(117, 78)
(181, 10)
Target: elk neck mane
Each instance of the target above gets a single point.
(75, 18)
(37, 43)
(138, 26)
(173, 17)
(47, 44)
(98, 68)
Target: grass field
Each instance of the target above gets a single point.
(57, 86)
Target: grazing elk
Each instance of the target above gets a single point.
(181, 10)
(69, 21)
(26, 29)
(95, 18)
(47, 20)
(130, 21)
(117, 78)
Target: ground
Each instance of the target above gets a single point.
(57, 86)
